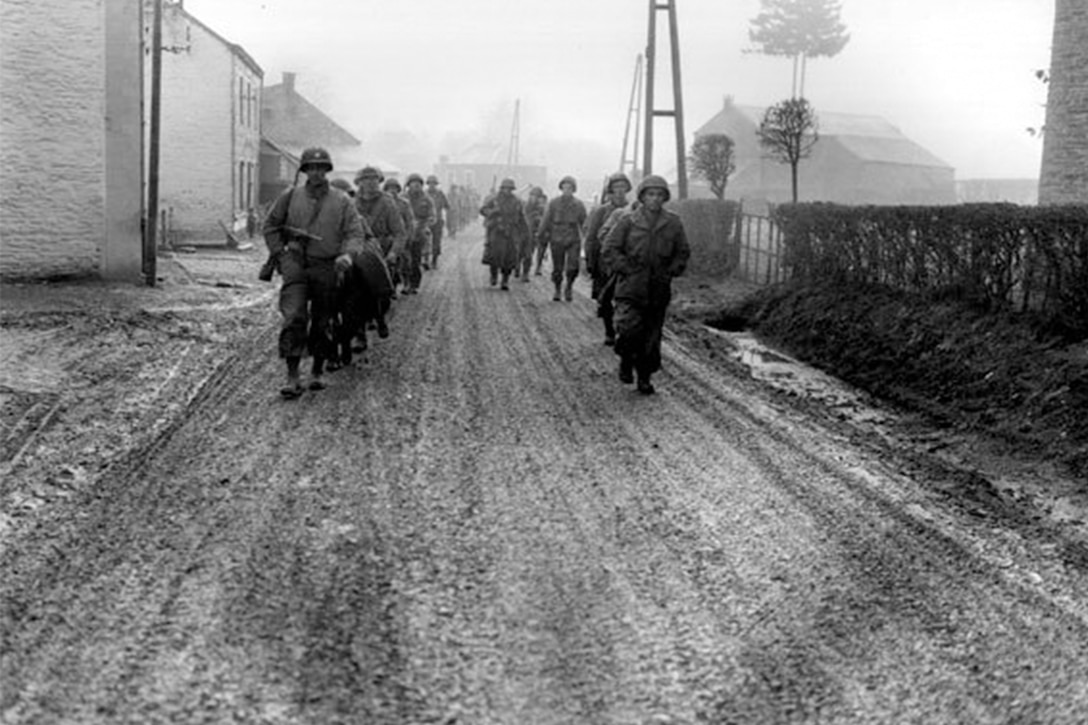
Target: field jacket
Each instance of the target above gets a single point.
(646, 253)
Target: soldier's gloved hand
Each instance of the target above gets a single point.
(343, 263)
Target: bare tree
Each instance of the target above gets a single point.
(799, 29)
(711, 158)
(788, 132)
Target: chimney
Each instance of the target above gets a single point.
(289, 82)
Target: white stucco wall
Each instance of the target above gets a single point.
(52, 120)
(205, 132)
(55, 218)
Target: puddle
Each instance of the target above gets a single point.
(793, 376)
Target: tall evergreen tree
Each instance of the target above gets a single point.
(799, 29)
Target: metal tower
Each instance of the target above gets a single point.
(634, 110)
(677, 112)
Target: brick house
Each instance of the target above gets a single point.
(292, 123)
(210, 143)
(857, 160)
(70, 160)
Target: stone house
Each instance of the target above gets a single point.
(292, 123)
(210, 138)
(857, 160)
(70, 157)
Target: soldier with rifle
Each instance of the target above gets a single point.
(312, 232)
(604, 283)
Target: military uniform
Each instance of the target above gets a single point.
(602, 279)
(505, 231)
(534, 213)
(645, 249)
(311, 231)
(561, 230)
(441, 215)
(401, 266)
(419, 242)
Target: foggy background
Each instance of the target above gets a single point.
(414, 80)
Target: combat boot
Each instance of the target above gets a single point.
(505, 281)
(644, 385)
(317, 375)
(568, 291)
(609, 332)
(558, 291)
(293, 387)
(627, 371)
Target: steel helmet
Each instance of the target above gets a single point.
(568, 180)
(315, 156)
(432, 179)
(508, 183)
(654, 182)
(391, 184)
(617, 177)
(343, 185)
(371, 172)
(413, 177)
(536, 191)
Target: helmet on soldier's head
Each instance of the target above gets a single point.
(508, 183)
(391, 185)
(315, 156)
(568, 180)
(432, 179)
(413, 177)
(369, 172)
(617, 178)
(343, 185)
(654, 182)
(536, 191)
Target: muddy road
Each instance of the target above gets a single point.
(480, 524)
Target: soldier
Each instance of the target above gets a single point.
(616, 190)
(311, 232)
(383, 217)
(646, 248)
(505, 229)
(561, 230)
(441, 215)
(419, 243)
(534, 212)
(392, 189)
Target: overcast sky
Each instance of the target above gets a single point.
(957, 76)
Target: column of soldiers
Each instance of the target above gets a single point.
(632, 253)
(343, 253)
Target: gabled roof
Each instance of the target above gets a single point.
(288, 117)
(870, 138)
(233, 47)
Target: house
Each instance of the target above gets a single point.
(278, 169)
(857, 160)
(293, 123)
(70, 162)
(210, 127)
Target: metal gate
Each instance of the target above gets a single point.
(761, 252)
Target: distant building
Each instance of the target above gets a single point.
(278, 168)
(480, 167)
(857, 160)
(293, 124)
(70, 173)
(211, 131)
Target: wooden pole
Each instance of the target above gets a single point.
(651, 66)
(151, 228)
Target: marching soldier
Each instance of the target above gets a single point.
(441, 215)
(534, 212)
(616, 190)
(561, 230)
(505, 229)
(392, 189)
(311, 232)
(419, 243)
(646, 248)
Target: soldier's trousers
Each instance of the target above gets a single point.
(638, 334)
(436, 242)
(415, 262)
(565, 262)
(308, 306)
(604, 291)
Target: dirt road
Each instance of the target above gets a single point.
(480, 524)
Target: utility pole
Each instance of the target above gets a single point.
(677, 112)
(151, 227)
(634, 109)
(515, 137)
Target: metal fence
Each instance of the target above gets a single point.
(761, 252)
